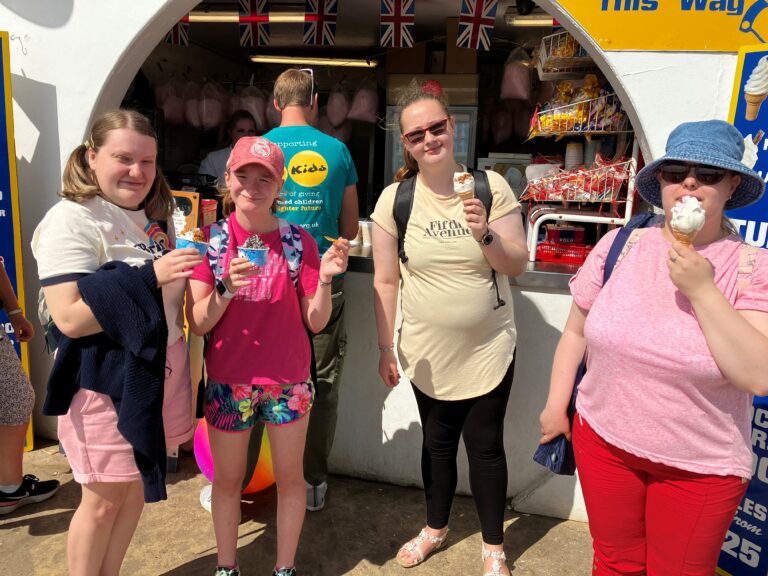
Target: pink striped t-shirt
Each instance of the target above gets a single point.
(261, 338)
(652, 387)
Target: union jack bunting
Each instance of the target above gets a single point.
(476, 24)
(320, 22)
(254, 24)
(396, 22)
(178, 35)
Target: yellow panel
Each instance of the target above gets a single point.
(672, 25)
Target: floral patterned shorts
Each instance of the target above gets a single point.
(237, 407)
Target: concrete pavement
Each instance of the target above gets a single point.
(358, 533)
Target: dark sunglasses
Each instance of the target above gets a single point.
(417, 136)
(676, 172)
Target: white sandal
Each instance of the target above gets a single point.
(499, 560)
(413, 546)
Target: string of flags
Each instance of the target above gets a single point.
(397, 19)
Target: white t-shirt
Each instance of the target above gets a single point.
(75, 239)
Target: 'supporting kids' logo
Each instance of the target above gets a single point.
(308, 168)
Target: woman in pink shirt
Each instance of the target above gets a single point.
(678, 344)
(258, 355)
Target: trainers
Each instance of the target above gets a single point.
(224, 571)
(205, 497)
(30, 491)
(316, 496)
(284, 571)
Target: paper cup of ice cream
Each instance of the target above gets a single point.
(257, 256)
(201, 247)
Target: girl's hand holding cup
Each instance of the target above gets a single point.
(240, 272)
(176, 265)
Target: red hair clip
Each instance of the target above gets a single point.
(433, 88)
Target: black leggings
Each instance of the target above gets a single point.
(481, 421)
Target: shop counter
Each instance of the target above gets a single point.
(537, 274)
(378, 435)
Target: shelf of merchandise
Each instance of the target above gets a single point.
(601, 115)
(552, 213)
(561, 57)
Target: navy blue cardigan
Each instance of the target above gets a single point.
(126, 361)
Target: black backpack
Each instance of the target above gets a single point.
(403, 205)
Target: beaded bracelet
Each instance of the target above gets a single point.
(387, 348)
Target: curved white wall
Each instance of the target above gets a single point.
(69, 62)
(72, 60)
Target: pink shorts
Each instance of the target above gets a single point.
(96, 450)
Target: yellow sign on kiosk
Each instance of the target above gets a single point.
(10, 222)
(672, 25)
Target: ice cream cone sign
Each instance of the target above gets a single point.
(756, 89)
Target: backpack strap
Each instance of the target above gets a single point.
(621, 243)
(484, 194)
(483, 191)
(218, 241)
(401, 210)
(290, 237)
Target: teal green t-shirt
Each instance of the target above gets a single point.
(318, 168)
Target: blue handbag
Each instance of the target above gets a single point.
(557, 454)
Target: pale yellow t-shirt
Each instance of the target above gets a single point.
(453, 345)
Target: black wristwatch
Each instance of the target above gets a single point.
(487, 238)
(221, 288)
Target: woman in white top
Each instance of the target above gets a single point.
(115, 207)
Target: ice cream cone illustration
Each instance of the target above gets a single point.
(756, 89)
(464, 185)
(687, 219)
(754, 101)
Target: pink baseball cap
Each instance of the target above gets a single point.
(257, 150)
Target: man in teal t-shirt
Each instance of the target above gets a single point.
(320, 194)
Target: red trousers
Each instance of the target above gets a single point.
(647, 518)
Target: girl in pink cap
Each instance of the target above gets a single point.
(258, 356)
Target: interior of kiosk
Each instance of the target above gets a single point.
(535, 108)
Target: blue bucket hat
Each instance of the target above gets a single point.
(711, 142)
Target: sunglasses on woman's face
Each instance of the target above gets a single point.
(676, 172)
(417, 136)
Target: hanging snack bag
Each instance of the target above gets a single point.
(192, 104)
(365, 104)
(516, 82)
(253, 100)
(211, 106)
(338, 105)
(173, 101)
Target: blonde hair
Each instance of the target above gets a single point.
(293, 88)
(409, 94)
(79, 180)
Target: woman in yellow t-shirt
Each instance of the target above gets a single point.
(457, 339)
